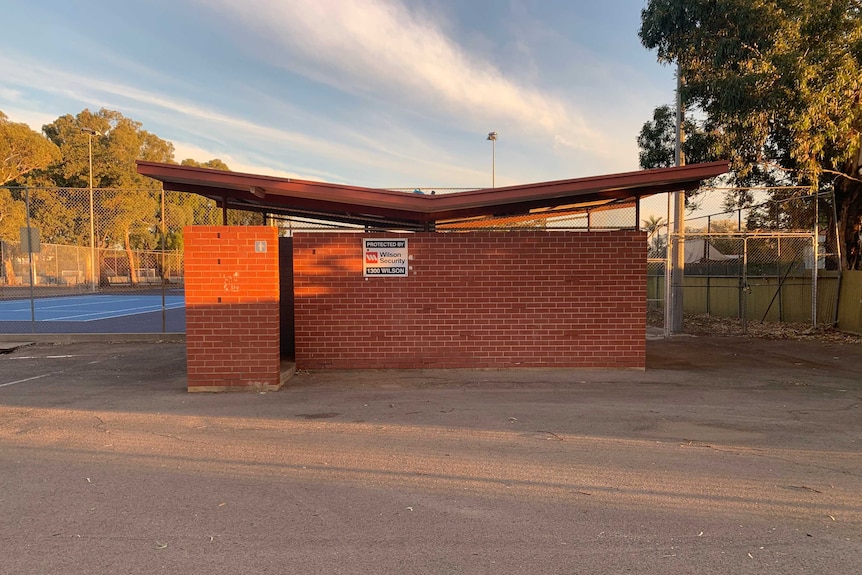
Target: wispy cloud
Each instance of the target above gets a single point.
(370, 92)
(219, 128)
(186, 150)
(381, 49)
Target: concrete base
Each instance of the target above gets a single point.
(10, 346)
(288, 369)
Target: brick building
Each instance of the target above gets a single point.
(431, 294)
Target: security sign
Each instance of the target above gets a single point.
(384, 257)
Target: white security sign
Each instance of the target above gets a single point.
(384, 257)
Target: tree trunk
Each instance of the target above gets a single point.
(133, 269)
(848, 196)
(11, 278)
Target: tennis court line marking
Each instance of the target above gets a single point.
(117, 302)
(116, 307)
(29, 378)
(98, 315)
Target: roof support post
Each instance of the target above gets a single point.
(224, 210)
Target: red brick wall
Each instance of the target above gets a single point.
(232, 317)
(483, 299)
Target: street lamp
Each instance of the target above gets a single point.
(493, 137)
(94, 270)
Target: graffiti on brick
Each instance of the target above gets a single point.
(231, 282)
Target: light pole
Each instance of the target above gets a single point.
(493, 137)
(675, 319)
(94, 266)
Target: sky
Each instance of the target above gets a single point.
(376, 93)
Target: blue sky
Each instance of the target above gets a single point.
(379, 93)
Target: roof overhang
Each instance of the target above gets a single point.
(369, 205)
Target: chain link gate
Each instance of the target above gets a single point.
(762, 277)
(765, 255)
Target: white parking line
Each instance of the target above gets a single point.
(28, 379)
(42, 357)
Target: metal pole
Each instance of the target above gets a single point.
(493, 137)
(814, 250)
(32, 267)
(494, 163)
(678, 251)
(93, 265)
(745, 290)
(164, 279)
(780, 277)
(834, 318)
(708, 264)
(668, 292)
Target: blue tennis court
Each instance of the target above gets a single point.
(86, 308)
(96, 313)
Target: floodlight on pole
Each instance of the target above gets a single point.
(493, 137)
(94, 266)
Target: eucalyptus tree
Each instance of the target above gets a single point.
(126, 203)
(22, 150)
(777, 81)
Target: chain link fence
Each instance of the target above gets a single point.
(613, 216)
(101, 260)
(110, 260)
(773, 261)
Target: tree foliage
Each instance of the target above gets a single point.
(656, 242)
(657, 141)
(777, 80)
(127, 205)
(204, 212)
(22, 150)
(125, 219)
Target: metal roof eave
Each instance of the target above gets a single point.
(262, 193)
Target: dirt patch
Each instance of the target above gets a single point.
(758, 362)
(694, 432)
(708, 325)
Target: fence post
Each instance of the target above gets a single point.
(708, 264)
(164, 278)
(743, 292)
(32, 267)
(780, 279)
(814, 278)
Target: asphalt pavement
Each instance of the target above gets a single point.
(724, 456)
